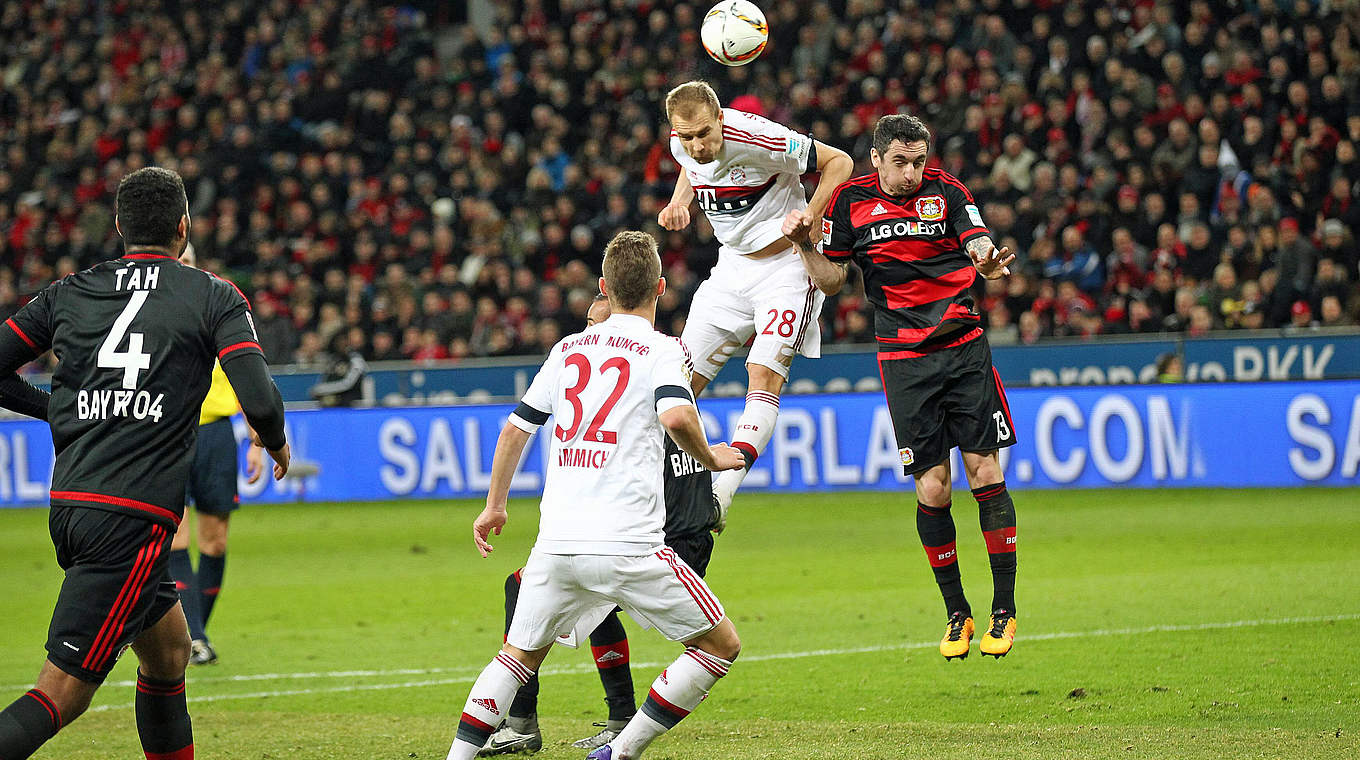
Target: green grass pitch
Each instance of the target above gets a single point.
(1153, 624)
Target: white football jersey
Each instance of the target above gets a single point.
(753, 183)
(606, 386)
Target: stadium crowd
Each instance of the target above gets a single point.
(394, 181)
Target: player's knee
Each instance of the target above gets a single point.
(168, 661)
(763, 378)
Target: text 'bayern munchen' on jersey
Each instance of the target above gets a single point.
(605, 387)
(916, 272)
(136, 338)
(753, 183)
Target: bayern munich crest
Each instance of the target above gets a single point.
(737, 175)
(930, 208)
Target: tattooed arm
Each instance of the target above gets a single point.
(990, 262)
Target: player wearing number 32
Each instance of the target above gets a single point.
(920, 240)
(745, 172)
(615, 391)
(136, 338)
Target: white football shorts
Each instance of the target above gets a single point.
(563, 597)
(771, 300)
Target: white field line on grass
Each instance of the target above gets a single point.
(469, 674)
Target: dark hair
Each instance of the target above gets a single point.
(901, 127)
(632, 268)
(149, 205)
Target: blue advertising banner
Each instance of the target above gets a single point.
(1104, 361)
(1225, 435)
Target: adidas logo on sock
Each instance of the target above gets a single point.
(878, 209)
(609, 656)
(487, 704)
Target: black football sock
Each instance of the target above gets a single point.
(186, 583)
(163, 719)
(996, 513)
(935, 525)
(26, 724)
(525, 704)
(609, 646)
(211, 568)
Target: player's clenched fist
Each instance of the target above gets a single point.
(674, 216)
(491, 520)
(798, 226)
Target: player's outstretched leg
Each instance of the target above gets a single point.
(935, 525)
(676, 692)
(754, 428)
(996, 513)
(609, 646)
(163, 723)
(520, 732)
(485, 707)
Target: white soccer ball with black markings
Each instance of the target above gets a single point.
(734, 32)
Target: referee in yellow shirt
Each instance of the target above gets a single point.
(212, 491)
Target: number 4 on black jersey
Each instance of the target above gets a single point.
(136, 338)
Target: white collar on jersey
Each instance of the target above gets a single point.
(628, 321)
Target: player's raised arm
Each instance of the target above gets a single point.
(675, 215)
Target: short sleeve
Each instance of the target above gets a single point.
(964, 217)
(537, 404)
(32, 325)
(232, 325)
(671, 376)
(838, 238)
(779, 148)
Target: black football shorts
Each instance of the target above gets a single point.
(950, 397)
(212, 478)
(696, 549)
(117, 584)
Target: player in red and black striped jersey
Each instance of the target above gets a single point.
(920, 241)
(136, 338)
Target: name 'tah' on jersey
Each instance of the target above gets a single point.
(753, 183)
(605, 387)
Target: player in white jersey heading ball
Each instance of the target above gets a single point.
(745, 171)
(615, 390)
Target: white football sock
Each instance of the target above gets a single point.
(487, 704)
(754, 428)
(675, 693)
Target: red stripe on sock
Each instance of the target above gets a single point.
(477, 724)
(184, 753)
(710, 666)
(990, 492)
(1000, 541)
(214, 591)
(159, 690)
(51, 707)
(661, 702)
(942, 556)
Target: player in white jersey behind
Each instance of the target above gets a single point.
(745, 171)
(615, 389)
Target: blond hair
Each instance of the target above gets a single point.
(690, 98)
(632, 267)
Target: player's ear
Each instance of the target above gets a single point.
(602, 289)
(661, 287)
(182, 229)
(117, 227)
(873, 156)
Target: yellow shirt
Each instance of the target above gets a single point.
(221, 399)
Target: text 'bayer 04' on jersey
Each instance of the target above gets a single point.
(916, 272)
(605, 388)
(136, 338)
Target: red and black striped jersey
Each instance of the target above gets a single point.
(136, 338)
(911, 250)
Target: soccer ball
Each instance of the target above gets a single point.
(734, 32)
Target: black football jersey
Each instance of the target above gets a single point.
(916, 272)
(688, 493)
(136, 338)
